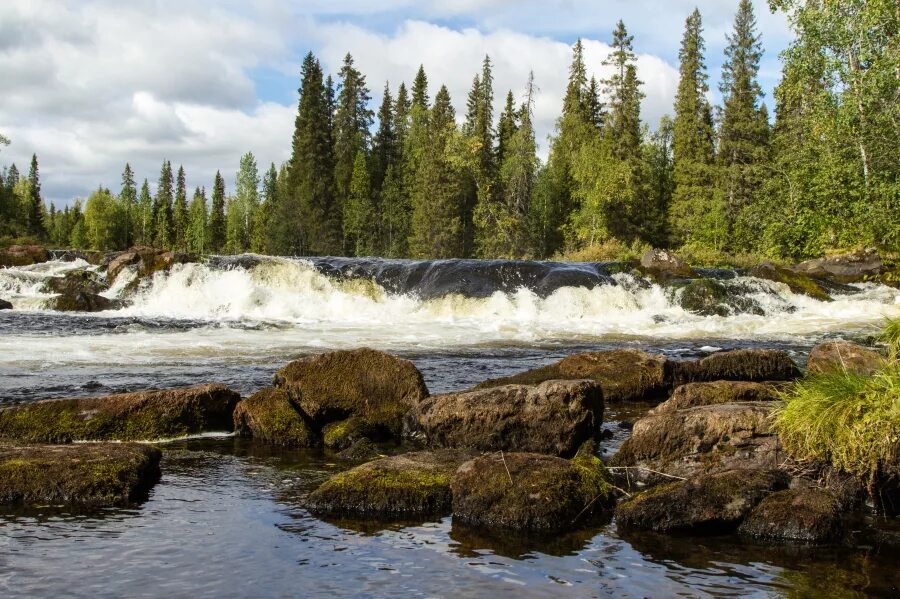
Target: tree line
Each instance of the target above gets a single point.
(412, 180)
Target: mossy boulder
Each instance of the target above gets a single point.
(5, 305)
(709, 297)
(343, 434)
(553, 417)
(141, 416)
(853, 267)
(74, 282)
(410, 485)
(708, 504)
(624, 374)
(89, 475)
(843, 356)
(373, 386)
(23, 255)
(755, 365)
(796, 282)
(700, 439)
(664, 265)
(82, 301)
(808, 515)
(716, 392)
(146, 261)
(529, 492)
(271, 416)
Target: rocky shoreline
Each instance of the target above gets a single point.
(518, 454)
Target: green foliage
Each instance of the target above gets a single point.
(103, 221)
(162, 207)
(196, 235)
(180, 212)
(217, 224)
(242, 208)
(359, 212)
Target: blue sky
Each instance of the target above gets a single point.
(90, 85)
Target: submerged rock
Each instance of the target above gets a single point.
(553, 417)
(709, 297)
(271, 416)
(23, 255)
(708, 504)
(716, 392)
(5, 305)
(853, 267)
(806, 514)
(755, 365)
(377, 388)
(140, 416)
(409, 485)
(843, 356)
(700, 439)
(529, 492)
(85, 475)
(624, 374)
(663, 265)
(796, 282)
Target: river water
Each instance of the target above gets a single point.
(227, 518)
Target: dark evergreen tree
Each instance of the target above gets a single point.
(162, 211)
(144, 222)
(506, 127)
(217, 225)
(128, 200)
(384, 146)
(180, 212)
(34, 202)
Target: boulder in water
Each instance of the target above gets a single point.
(271, 416)
(82, 301)
(140, 416)
(716, 392)
(529, 492)
(553, 417)
(146, 261)
(664, 265)
(89, 475)
(624, 374)
(700, 439)
(853, 267)
(5, 305)
(757, 365)
(843, 356)
(707, 504)
(410, 485)
(377, 388)
(23, 255)
(808, 515)
(79, 291)
(343, 434)
(709, 297)
(796, 282)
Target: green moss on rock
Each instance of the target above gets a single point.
(796, 282)
(271, 416)
(141, 416)
(716, 392)
(807, 514)
(755, 365)
(86, 475)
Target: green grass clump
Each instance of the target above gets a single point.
(890, 335)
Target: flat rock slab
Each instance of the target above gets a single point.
(410, 485)
(528, 492)
(755, 365)
(843, 356)
(140, 416)
(86, 475)
(553, 417)
(708, 504)
(716, 392)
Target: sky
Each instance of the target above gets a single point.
(91, 85)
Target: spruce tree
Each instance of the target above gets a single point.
(196, 232)
(384, 145)
(144, 222)
(128, 200)
(420, 89)
(480, 206)
(216, 236)
(162, 203)
(697, 214)
(34, 202)
(308, 221)
(744, 132)
(402, 106)
(359, 211)
(180, 212)
(242, 208)
(262, 222)
(506, 127)
(395, 215)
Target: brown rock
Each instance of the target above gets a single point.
(23, 255)
(853, 267)
(624, 374)
(663, 264)
(843, 356)
(757, 365)
(796, 282)
(716, 392)
(806, 514)
(553, 417)
(271, 416)
(374, 386)
(140, 416)
(147, 261)
(5, 305)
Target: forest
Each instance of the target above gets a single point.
(412, 180)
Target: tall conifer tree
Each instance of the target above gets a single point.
(216, 236)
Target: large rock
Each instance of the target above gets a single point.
(853, 267)
(708, 504)
(700, 439)
(757, 365)
(410, 485)
(553, 417)
(624, 374)
(716, 392)
(5, 305)
(343, 434)
(23, 255)
(708, 297)
(843, 356)
(376, 387)
(146, 261)
(529, 492)
(271, 416)
(795, 281)
(805, 514)
(84, 475)
(74, 282)
(663, 264)
(141, 416)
